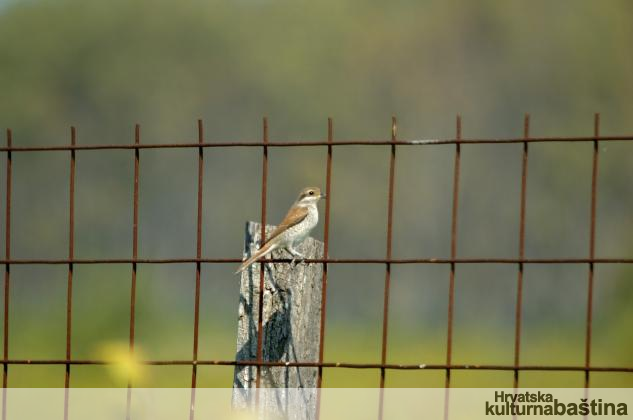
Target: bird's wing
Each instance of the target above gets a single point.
(295, 215)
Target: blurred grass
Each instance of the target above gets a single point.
(481, 337)
(353, 342)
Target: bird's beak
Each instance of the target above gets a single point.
(323, 196)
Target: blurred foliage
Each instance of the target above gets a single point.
(104, 66)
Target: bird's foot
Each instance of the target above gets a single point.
(296, 261)
(295, 255)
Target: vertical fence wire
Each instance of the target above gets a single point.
(7, 276)
(137, 141)
(196, 314)
(385, 308)
(326, 253)
(592, 246)
(519, 300)
(260, 348)
(451, 280)
(326, 247)
(71, 256)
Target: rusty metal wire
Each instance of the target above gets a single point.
(519, 301)
(451, 281)
(7, 277)
(393, 144)
(64, 261)
(348, 365)
(71, 255)
(308, 143)
(196, 315)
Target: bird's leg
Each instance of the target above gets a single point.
(295, 254)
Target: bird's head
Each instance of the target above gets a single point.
(310, 195)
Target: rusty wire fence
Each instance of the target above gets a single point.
(392, 145)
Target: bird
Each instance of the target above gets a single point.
(302, 217)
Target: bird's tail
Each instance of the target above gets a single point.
(260, 253)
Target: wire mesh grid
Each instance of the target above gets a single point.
(393, 144)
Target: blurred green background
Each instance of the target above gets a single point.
(104, 66)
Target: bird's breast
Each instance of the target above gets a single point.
(313, 218)
(301, 230)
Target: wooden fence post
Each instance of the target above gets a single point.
(291, 327)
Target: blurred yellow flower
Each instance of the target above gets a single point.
(123, 364)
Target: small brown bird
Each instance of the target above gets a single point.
(302, 217)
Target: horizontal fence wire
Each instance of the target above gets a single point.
(65, 261)
(348, 365)
(265, 143)
(308, 143)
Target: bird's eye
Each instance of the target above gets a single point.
(311, 193)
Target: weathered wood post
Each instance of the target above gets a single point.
(291, 327)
